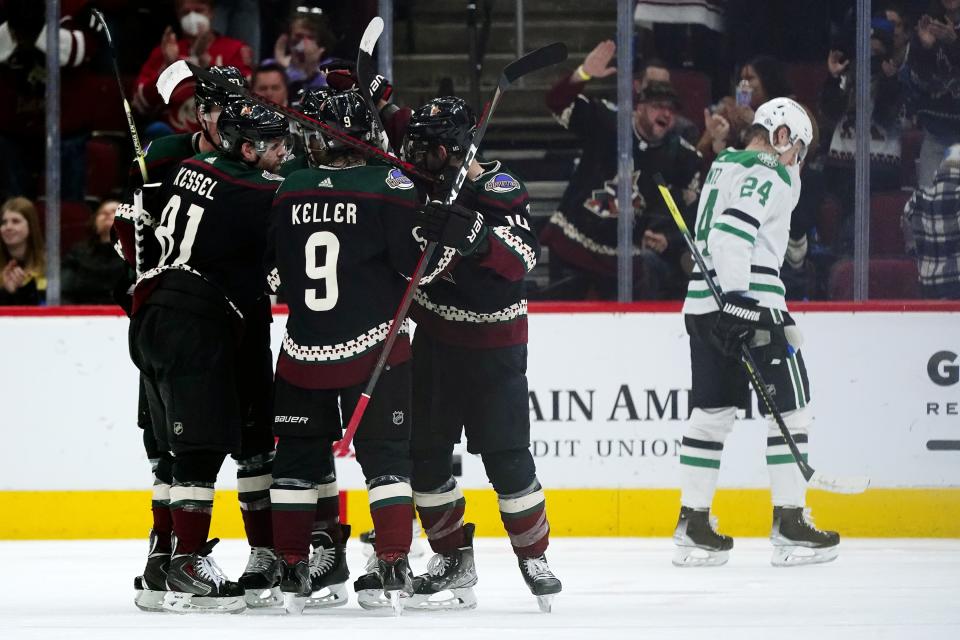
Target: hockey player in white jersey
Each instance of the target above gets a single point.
(742, 230)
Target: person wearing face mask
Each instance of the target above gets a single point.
(582, 234)
(199, 44)
(742, 231)
(304, 51)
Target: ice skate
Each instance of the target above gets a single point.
(453, 574)
(295, 585)
(543, 584)
(386, 584)
(196, 584)
(698, 543)
(796, 541)
(418, 547)
(328, 570)
(261, 579)
(151, 586)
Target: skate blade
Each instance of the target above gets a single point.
(378, 600)
(460, 599)
(294, 604)
(149, 600)
(179, 602)
(545, 602)
(262, 598)
(795, 556)
(685, 557)
(395, 603)
(334, 595)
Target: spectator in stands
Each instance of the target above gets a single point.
(582, 234)
(23, 85)
(838, 107)
(22, 255)
(270, 81)
(92, 268)
(759, 80)
(655, 70)
(304, 51)
(932, 74)
(201, 45)
(932, 217)
(896, 15)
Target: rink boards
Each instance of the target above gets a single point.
(608, 397)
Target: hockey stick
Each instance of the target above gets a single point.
(137, 147)
(181, 70)
(816, 479)
(534, 61)
(366, 77)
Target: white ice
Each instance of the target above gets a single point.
(613, 588)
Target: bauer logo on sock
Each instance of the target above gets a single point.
(396, 180)
(501, 183)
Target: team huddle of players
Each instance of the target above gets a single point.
(252, 204)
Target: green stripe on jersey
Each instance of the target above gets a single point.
(768, 288)
(698, 293)
(784, 459)
(756, 159)
(737, 232)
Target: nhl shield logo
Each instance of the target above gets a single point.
(398, 418)
(177, 428)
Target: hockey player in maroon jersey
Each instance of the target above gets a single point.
(255, 459)
(342, 238)
(470, 361)
(187, 329)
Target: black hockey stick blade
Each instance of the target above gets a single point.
(534, 61)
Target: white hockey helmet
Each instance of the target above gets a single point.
(784, 112)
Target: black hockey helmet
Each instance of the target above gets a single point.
(209, 95)
(246, 121)
(309, 101)
(447, 120)
(344, 111)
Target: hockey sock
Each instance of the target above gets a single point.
(327, 515)
(254, 476)
(160, 504)
(191, 497)
(191, 505)
(391, 507)
(294, 507)
(524, 516)
(700, 452)
(441, 513)
(787, 486)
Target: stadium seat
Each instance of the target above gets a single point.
(693, 87)
(807, 79)
(76, 222)
(910, 141)
(829, 221)
(889, 279)
(104, 167)
(886, 232)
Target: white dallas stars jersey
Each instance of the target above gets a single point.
(742, 228)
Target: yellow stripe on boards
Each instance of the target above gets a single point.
(927, 513)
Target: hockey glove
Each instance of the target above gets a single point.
(453, 226)
(743, 321)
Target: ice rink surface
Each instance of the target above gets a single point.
(613, 588)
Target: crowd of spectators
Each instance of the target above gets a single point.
(283, 46)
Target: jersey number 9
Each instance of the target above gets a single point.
(327, 271)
